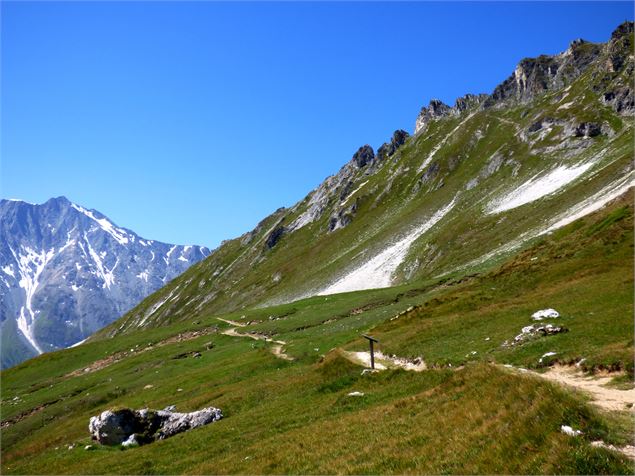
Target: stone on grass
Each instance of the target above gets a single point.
(545, 314)
(129, 427)
(567, 430)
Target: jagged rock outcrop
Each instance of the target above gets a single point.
(620, 47)
(66, 272)
(387, 149)
(467, 102)
(364, 156)
(437, 109)
(274, 237)
(535, 76)
(343, 217)
(126, 426)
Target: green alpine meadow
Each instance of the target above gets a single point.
(488, 253)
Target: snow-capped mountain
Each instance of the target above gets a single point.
(66, 271)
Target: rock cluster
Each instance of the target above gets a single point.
(531, 332)
(438, 109)
(137, 427)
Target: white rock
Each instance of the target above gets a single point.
(548, 354)
(131, 441)
(567, 430)
(545, 314)
(356, 394)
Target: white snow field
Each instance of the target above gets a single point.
(538, 187)
(377, 272)
(593, 203)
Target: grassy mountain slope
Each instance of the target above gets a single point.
(296, 416)
(465, 288)
(465, 163)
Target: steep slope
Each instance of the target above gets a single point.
(66, 272)
(476, 183)
(480, 407)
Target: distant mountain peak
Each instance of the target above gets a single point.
(66, 271)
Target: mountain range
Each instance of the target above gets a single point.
(67, 271)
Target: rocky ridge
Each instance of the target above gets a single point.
(535, 76)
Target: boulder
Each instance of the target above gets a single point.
(136, 427)
(114, 427)
(175, 422)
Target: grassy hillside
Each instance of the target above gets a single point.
(473, 161)
(466, 414)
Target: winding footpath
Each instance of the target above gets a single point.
(275, 350)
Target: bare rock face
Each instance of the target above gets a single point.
(435, 110)
(398, 139)
(364, 156)
(535, 76)
(588, 129)
(131, 427)
(274, 237)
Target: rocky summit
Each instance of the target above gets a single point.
(67, 271)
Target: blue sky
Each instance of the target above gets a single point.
(190, 122)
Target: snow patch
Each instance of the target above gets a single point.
(167, 255)
(9, 270)
(378, 271)
(538, 187)
(117, 233)
(30, 265)
(593, 203)
(106, 274)
(143, 275)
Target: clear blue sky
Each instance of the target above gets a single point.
(190, 122)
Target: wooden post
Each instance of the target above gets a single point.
(371, 340)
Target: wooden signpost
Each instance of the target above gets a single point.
(371, 340)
